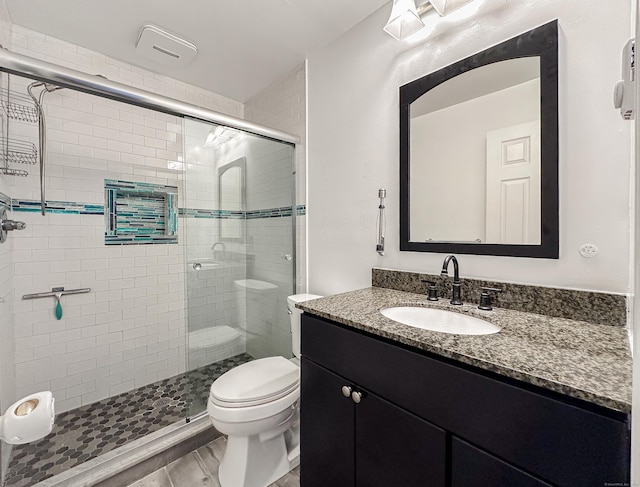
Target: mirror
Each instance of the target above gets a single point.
(231, 200)
(479, 152)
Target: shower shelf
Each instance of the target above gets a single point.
(15, 151)
(18, 107)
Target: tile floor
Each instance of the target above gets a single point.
(200, 469)
(86, 432)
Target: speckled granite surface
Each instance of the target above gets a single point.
(579, 359)
(602, 308)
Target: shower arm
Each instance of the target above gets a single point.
(42, 136)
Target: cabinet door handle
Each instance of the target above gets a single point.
(346, 391)
(356, 396)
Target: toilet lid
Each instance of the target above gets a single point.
(256, 382)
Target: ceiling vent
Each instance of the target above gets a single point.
(164, 47)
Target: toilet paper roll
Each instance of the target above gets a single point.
(28, 419)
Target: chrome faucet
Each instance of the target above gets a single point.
(221, 244)
(455, 297)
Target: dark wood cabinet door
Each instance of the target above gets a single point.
(326, 429)
(472, 467)
(396, 448)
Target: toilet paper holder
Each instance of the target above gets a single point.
(29, 419)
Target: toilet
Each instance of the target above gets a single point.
(256, 405)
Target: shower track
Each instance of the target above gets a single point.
(43, 71)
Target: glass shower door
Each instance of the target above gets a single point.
(239, 221)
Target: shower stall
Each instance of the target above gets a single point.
(180, 221)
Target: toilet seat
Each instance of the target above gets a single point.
(255, 383)
(254, 391)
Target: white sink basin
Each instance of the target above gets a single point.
(439, 320)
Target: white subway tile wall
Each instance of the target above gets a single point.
(224, 291)
(7, 346)
(126, 333)
(215, 305)
(283, 106)
(7, 342)
(130, 331)
(270, 242)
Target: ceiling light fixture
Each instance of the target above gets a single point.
(445, 7)
(213, 135)
(405, 16)
(404, 19)
(219, 136)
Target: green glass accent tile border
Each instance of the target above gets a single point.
(75, 208)
(218, 214)
(5, 201)
(269, 213)
(67, 207)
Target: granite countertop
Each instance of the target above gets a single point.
(588, 361)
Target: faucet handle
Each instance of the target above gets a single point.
(485, 297)
(433, 292)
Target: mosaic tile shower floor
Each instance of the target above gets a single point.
(86, 432)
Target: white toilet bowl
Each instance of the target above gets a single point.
(256, 405)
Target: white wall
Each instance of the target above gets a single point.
(446, 169)
(353, 144)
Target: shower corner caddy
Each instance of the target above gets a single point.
(21, 108)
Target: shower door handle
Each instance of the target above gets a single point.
(287, 257)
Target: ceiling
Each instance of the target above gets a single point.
(243, 45)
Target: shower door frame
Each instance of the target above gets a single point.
(107, 465)
(21, 65)
(26, 66)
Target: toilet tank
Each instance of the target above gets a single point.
(294, 316)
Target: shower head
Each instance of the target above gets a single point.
(49, 87)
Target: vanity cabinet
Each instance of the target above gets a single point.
(472, 467)
(370, 443)
(427, 421)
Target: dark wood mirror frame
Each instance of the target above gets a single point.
(543, 42)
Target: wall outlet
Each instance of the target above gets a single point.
(588, 251)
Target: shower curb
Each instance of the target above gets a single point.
(139, 458)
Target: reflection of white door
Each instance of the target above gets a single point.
(513, 184)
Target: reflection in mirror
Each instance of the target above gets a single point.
(479, 152)
(232, 195)
(475, 155)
